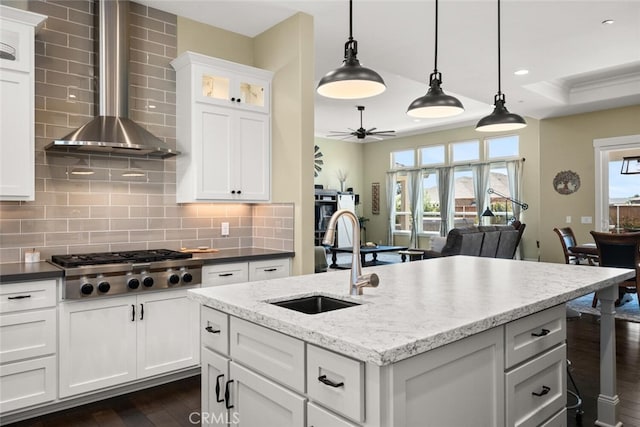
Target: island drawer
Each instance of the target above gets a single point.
(27, 334)
(558, 420)
(225, 274)
(214, 330)
(320, 417)
(536, 390)
(534, 334)
(336, 381)
(271, 353)
(27, 295)
(27, 383)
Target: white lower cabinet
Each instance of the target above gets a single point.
(240, 272)
(254, 381)
(259, 402)
(112, 341)
(28, 331)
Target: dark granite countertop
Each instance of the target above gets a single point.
(19, 271)
(242, 254)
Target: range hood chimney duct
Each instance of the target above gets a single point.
(111, 131)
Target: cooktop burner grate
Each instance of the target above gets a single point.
(153, 255)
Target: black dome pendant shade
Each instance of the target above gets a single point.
(500, 119)
(435, 104)
(351, 80)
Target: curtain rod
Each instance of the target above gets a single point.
(453, 166)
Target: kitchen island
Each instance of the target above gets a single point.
(448, 341)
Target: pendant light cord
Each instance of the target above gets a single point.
(435, 61)
(350, 19)
(499, 74)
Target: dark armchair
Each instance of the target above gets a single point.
(622, 251)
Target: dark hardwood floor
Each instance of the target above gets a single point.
(170, 405)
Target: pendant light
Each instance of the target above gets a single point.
(351, 80)
(435, 104)
(500, 119)
(630, 165)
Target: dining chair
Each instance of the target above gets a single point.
(568, 240)
(622, 251)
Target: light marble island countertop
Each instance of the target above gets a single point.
(418, 306)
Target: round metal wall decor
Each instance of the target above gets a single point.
(566, 182)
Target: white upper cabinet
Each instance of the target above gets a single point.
(17, 91)
(223, 130)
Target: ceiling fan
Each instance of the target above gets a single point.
(362, 133)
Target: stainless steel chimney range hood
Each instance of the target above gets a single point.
(111, 131)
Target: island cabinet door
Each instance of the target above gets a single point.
(259, 402)
(459, 384)
(215, 377)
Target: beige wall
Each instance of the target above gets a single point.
(344, 156)
(207, 40)
(288, 50)
(566, 143)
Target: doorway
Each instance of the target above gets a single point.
(617, 195)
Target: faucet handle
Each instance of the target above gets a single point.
(367, 281)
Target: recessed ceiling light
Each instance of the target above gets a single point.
(608, 21)
(417, 120)
(521, 72)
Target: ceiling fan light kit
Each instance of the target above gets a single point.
(500, 119)
(351, 80)
(435, 104)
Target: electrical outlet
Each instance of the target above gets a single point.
(586, 220)
(224, 229)
(568, 219)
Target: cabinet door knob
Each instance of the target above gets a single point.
(542, 333)
(239, 192)
(323, 379)
(218, 388)
(233, 191)
(238, 100)
(226, 395)
(544, 391)
(233, 99)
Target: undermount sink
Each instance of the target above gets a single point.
(315, 304)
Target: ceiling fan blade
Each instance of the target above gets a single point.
(377, 138)
(319, 162)
(318, 155)
(382, 131)
(371, 129)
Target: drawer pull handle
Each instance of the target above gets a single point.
(542, 333)
(20, 297)
(226, 395)
(212, 331)
(218, 388)
(225, 274)
(323, 379)
(270, 269)
(544, 391)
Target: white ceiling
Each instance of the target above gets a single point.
(576, 64)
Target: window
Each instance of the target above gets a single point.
(465, 198)
(465, 151)
(432, 155)
(403, 159)
(430, 203)
(501, 207)
(503, 147)
(403, 210)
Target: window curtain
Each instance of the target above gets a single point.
(514, 176)
(445, 187)
(391, 205)
(481, 185)
(414, 184)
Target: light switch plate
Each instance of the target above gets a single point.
(224, 229)
(586, 220)
(568, 219)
